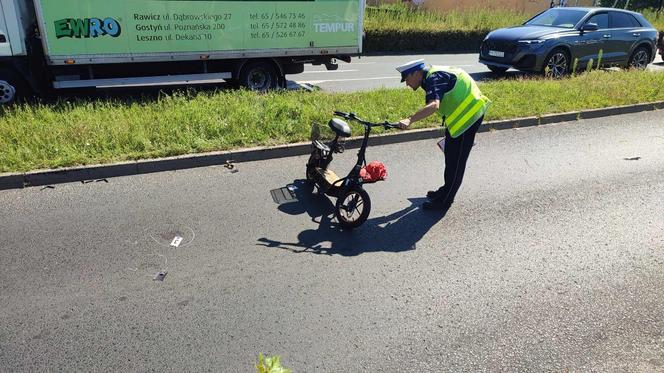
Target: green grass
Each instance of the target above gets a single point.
(90, 132)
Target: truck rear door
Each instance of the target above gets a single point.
(5, 46)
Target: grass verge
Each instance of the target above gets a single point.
(91, 132)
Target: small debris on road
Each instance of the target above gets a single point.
(160, 276)
(285, 194)
(176, 241)
(632, 159)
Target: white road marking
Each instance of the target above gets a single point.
(346, 80)
(330, 71)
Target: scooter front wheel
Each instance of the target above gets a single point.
(353, 207)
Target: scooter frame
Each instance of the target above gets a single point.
(341, 188)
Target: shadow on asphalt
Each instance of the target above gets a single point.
(509, 75)
(397, 232)
(487, 76)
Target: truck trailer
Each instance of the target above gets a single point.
(66, 44)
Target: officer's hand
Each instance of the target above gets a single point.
(404, 124)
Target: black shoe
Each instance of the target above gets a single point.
(433, 194)
(436, 205)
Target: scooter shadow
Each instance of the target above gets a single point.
(397, 232)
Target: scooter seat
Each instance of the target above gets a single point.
(329, 175)
(339, 127)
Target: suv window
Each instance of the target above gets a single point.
(623, 20)
(558, 17)
(602, 20)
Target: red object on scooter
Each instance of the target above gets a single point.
(374, 171)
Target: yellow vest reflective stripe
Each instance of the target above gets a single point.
(464, 104)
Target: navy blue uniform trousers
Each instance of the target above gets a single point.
(456, 155)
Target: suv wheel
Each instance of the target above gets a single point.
(640, 58)
(556, 64)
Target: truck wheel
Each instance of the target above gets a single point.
(259, 76)
(12, 87)
(330, 66)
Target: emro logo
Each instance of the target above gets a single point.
(87, 28)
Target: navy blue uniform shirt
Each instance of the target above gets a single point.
(437, 84)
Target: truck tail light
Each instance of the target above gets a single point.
(70, 62)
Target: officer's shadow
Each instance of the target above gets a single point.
(397, 232)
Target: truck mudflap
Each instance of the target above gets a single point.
(19, 66)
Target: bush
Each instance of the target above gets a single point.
(398, 28)
(421, 41)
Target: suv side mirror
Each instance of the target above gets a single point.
(589, 27)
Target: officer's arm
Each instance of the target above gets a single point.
(426, 111)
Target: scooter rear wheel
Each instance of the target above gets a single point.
(353, 207)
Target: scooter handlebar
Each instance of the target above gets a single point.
(345, 115)
(353, 116)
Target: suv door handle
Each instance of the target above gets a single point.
(636, 34)
(606, 36)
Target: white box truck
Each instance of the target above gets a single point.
(61, 44)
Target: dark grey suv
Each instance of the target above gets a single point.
(552, 40)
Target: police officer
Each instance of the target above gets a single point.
(454, 94)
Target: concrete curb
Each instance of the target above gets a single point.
(95, 172)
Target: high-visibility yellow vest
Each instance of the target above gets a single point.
(464, 104)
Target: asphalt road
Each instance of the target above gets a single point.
(551, 259)
(365, 73)
(373, 72)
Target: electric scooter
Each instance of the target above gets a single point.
(353, 204)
